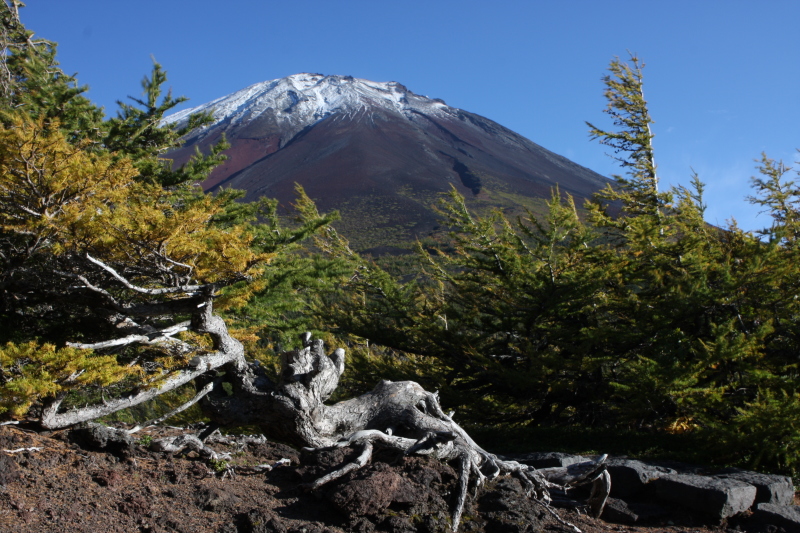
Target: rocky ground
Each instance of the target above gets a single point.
(50, 483)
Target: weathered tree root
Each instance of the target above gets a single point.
(400, 416)
(265, 467)
(557, 517)
(476, 462)
(183, 442)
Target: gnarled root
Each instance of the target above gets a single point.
(361, 460)
(446, 440)
(400, 416)
(601, 487)
(183, 442)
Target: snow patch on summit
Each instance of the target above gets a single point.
(303, 99)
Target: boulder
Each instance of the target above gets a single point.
(651, 512)
(549, 459)
(371, 494)
(629, 478)
(505, 509)
(714, 498)
(617, 511)
(777, 490)
(93, 436)
(781, 516)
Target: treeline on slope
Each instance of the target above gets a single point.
(638, 316)
(649, 319)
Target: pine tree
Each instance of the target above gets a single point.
(632, 143)
(31, 81)
(138, 132)
(708, 316)
(82, 237)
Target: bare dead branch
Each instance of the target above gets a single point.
(601, 487)
(181, 442)
(158, 337)
(155, 421)
(52, 419)
(142, 290)
(463, 485)
(266, 467)
(89, 285)
(20, 450)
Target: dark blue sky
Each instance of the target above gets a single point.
(722, 76)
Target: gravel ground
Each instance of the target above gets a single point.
(61, 487)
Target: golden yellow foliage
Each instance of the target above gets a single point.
(69, 198)
(31, 371)
(43, 178)
(684, 424)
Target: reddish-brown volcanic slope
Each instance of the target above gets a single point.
(375, 161)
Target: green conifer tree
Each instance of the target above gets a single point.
(632, 143)
(31, 81)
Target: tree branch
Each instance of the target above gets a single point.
(156, 337)
(51, 419)
(131, 286)
(90, 286)
(183, 305)
(155, 421)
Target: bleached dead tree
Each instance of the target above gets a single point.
(401, 416)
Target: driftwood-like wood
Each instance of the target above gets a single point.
(401, 416)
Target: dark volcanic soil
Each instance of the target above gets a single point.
(61, 487)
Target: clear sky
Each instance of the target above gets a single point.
(722, 76)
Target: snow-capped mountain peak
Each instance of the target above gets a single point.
(302, 99)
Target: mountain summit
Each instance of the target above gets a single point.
(377, 152)
(302, 100)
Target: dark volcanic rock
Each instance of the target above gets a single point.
(771, 517)
(260, 521)
(505, 509)
(715, 498)
(63, 488)
(619, 512)
(108, 478)
(372, 493)
(399, 524)
(778, 490)
(389, 493)
(134, 505)
(215, 499)
(651, 512)
(9, 471)
(629, 478)
(94, 436)
(549, 459)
